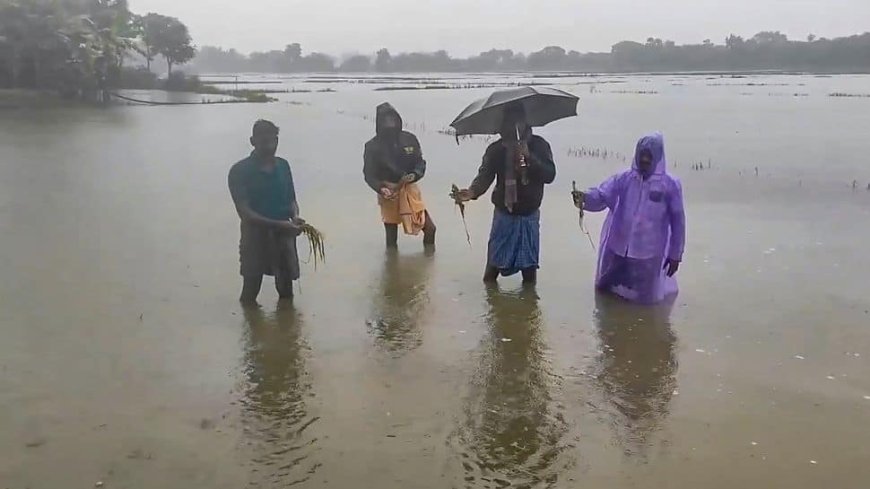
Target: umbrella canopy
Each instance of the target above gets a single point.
(543, 105)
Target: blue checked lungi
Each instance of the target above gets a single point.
(514, 242)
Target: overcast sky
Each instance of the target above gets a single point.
(466, 27)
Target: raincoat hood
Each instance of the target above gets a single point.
(655, 143)
(383, 111)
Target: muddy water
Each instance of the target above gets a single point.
(125, 358)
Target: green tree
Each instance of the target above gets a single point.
(383, 60)
(152, 26)
(178, 48)
(734, 42)
(766, 51)
(317, 63)
(168, 37)
(64, 44)
(770, 37)
(34, 38)
(109, 33)
(292, 55)
(551, 57)
(356, 64)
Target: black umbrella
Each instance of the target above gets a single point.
(542, 105)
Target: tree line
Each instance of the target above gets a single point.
(79, 47)
(765, 51)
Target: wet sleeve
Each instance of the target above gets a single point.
(369, 169)
(420, 164)
(542, 167)
(604, 196)
(677, 214)
(485, 176)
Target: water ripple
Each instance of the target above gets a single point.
(275, 394)
(514, 433)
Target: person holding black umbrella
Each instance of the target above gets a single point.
(521, 164)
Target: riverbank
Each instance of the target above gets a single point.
(26, 99)
(243, 95)
(16, 99)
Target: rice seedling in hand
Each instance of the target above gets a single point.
(579, 202)
(315, 243)
(454, 194)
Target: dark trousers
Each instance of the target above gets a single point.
(251, 288)
(491, 274)
(429, 229)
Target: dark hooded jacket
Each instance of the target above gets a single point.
(389, 157)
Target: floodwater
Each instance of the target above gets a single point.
(125, 359)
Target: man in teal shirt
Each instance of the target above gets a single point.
(262, 189)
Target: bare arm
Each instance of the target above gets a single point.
(294, 203)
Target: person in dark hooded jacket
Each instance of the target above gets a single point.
(393, 164)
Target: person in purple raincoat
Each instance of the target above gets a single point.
(644, 235)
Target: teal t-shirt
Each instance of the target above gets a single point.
(269, 194)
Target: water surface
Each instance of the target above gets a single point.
(126, 359)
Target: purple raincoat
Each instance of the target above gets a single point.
(645, 226)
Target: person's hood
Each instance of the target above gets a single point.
(383, 111)
(655, 143)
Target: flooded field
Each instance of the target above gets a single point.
(125, 359)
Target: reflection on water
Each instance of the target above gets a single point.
(514, 432)
(399, 301)
(274, 394)
(636, 368)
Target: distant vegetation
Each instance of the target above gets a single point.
(764, 51)
(79, 47)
